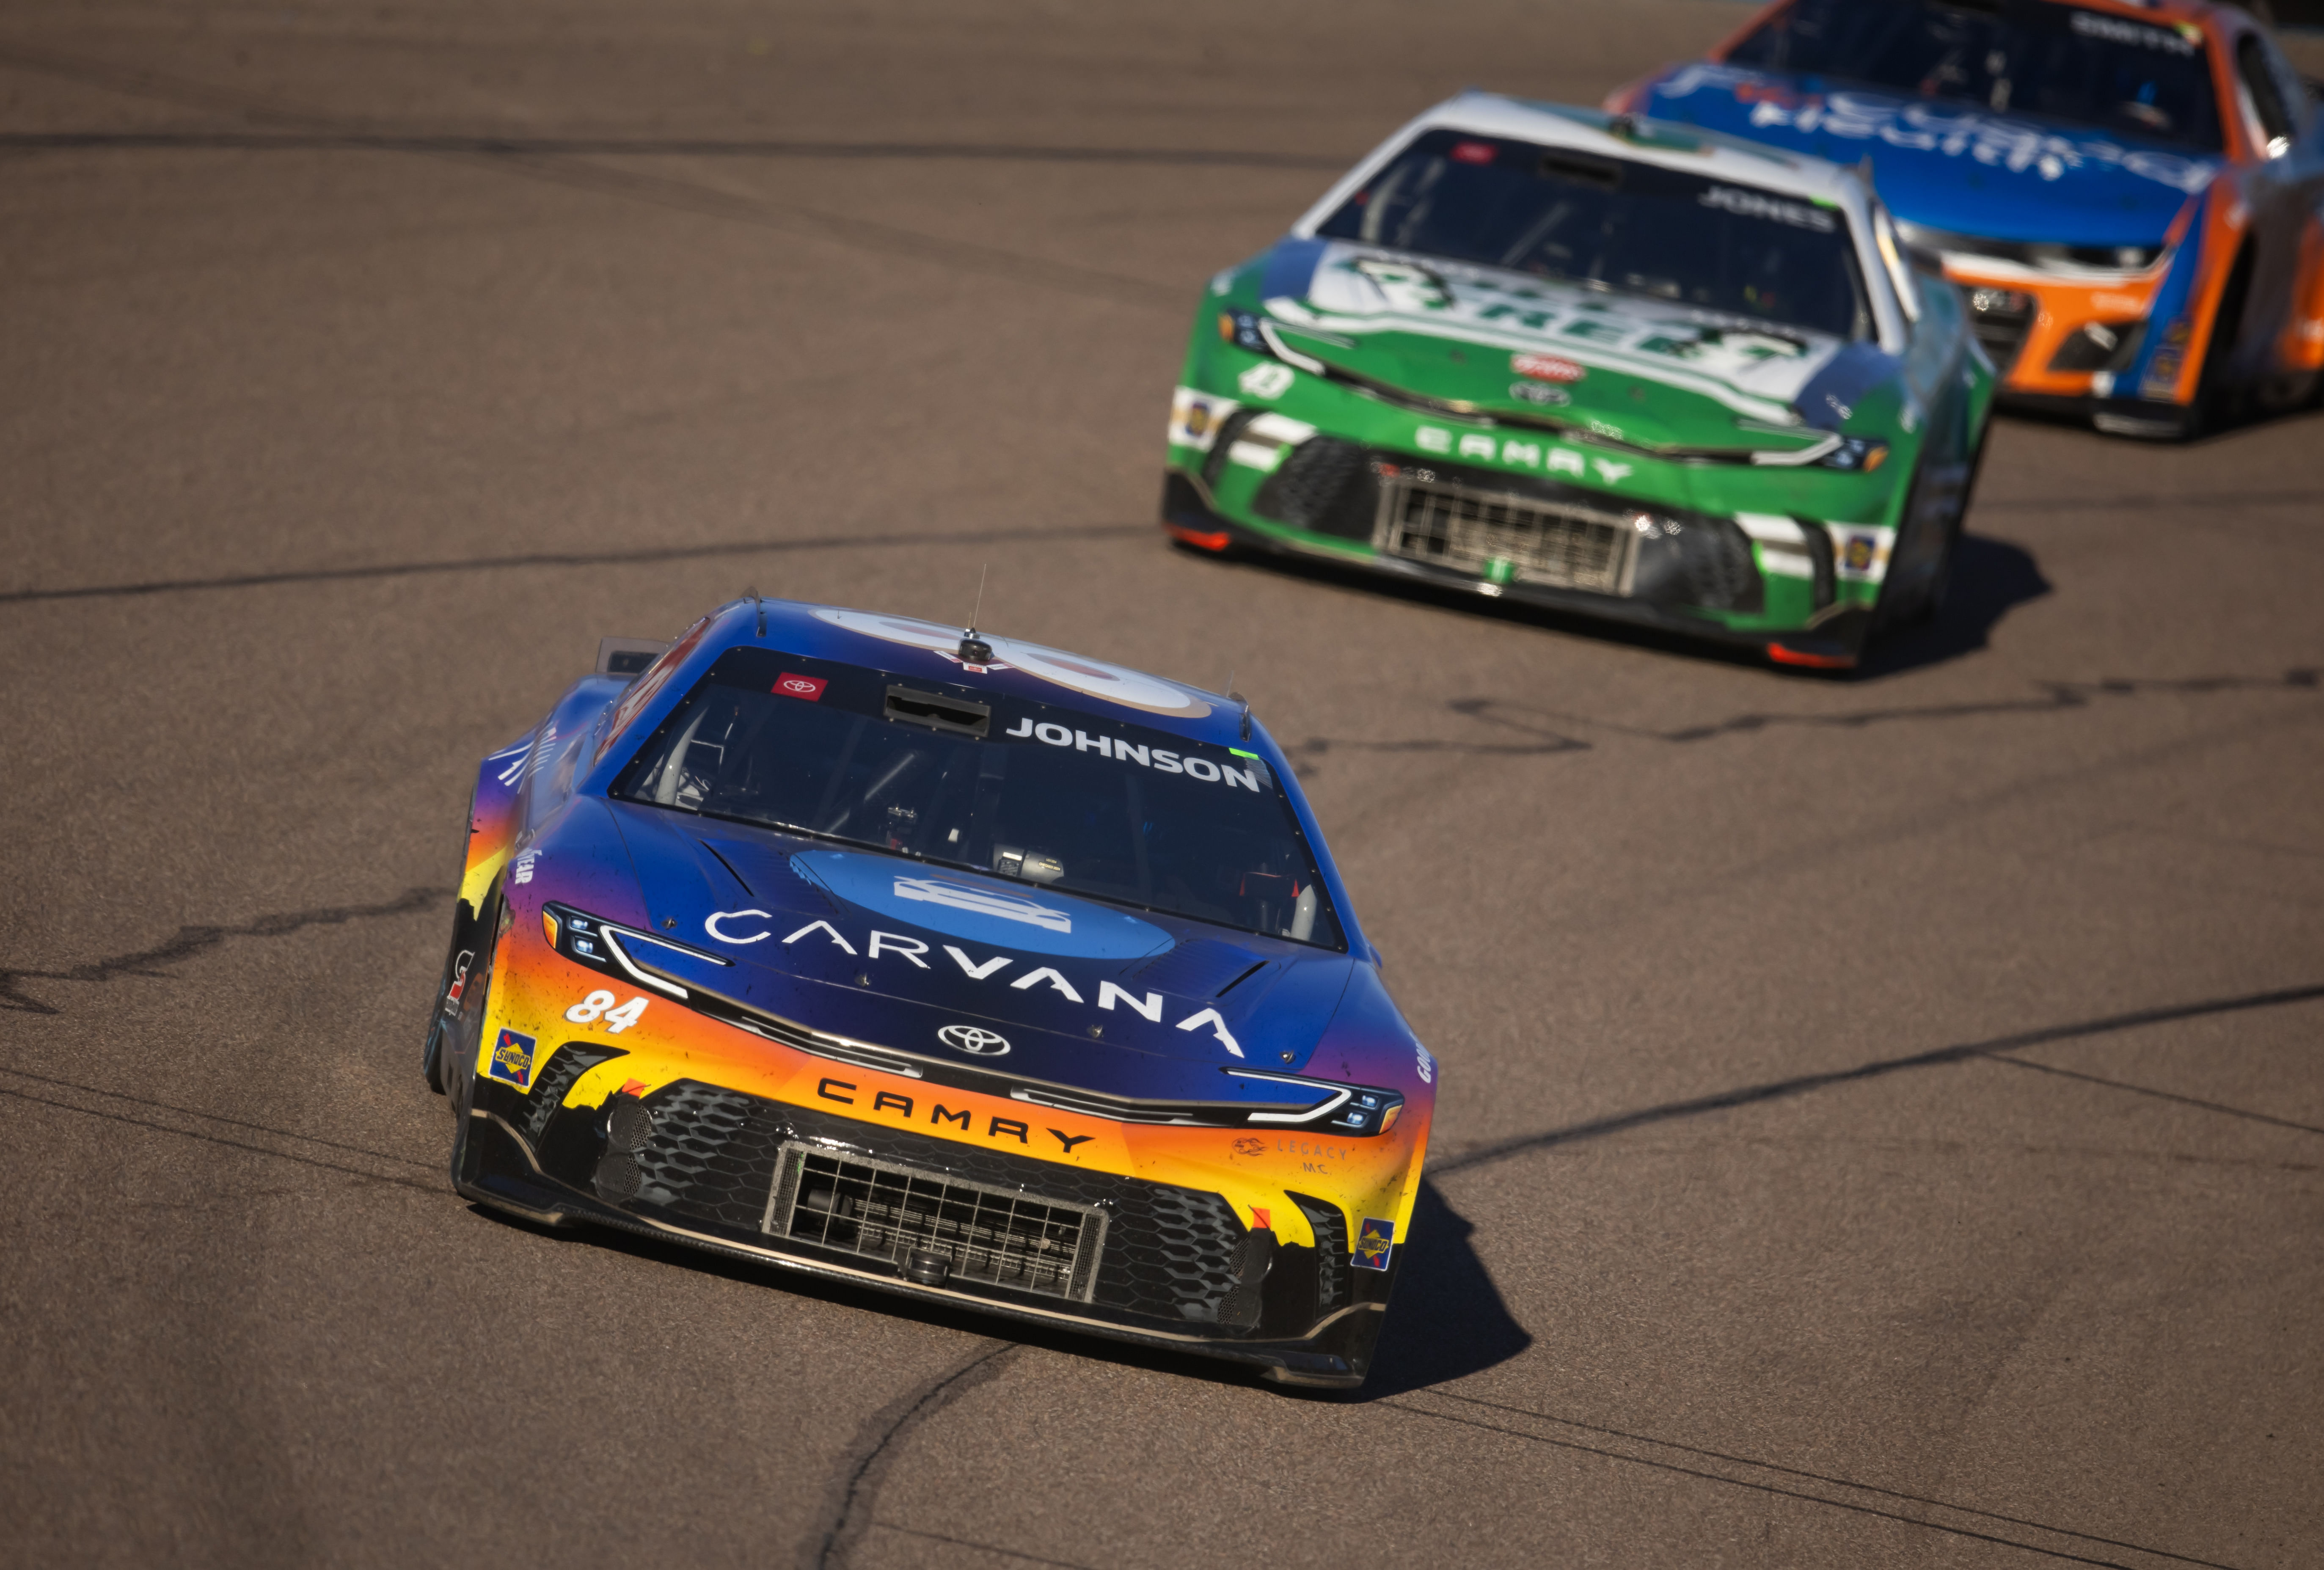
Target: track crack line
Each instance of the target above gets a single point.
(1820, 1477)
(981, 1547)
(1774, 1090)
(504, 143)
(226, 1143)
(861, 1472)
(661, 191)
(1532, 725)
(189, 941)
(2217, 1106)
(645, 556)
(1855, 1507)
(53, 1083)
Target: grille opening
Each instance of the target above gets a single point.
(1335, 1277)
(1425, 519)
(882, 1211)
(938, 713)
(2000, 320)
(1326, 487)
(1229, 433)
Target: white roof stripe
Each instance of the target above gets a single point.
(1722, 157)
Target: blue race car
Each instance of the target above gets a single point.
(955, 966)
(2129, 192)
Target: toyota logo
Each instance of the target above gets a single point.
(971, 1038)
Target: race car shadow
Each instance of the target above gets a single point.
(1990, 578)
(1446, 1320)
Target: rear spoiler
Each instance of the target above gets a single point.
(628, 657)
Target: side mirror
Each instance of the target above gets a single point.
(627, 658)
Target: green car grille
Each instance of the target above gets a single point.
(1453, 525)
(1502, 529)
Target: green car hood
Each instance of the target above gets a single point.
(1474, 340)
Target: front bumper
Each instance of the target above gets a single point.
(2148, 419)
(2032, 329)
(1829, 634)
(1030, 1239)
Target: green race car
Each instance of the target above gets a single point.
(1620, 367)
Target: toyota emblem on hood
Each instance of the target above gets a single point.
(973, 1039)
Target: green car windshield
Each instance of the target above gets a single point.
(1613, 224)
(1024, 790)
(2124, 74)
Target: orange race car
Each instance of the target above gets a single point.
(2130, 192)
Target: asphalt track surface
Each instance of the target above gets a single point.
(1881, 1119)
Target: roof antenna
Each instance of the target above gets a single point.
(753, 592)
(1234, 697)
(973, 650)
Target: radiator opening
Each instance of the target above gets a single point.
(912, 1219)
(1564, 544)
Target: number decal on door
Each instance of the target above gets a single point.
(601, 1002)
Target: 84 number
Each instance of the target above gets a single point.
(601, 1003)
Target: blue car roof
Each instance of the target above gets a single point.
(907, 647)
(877, 639)
(2020, 176)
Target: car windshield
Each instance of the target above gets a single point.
(1613, 224)
(1024, 790)
(2148, 80)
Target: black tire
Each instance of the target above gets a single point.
(1931, 602)
(460, 957)
(1940, 576)
(1912, 605)
(2217, 400)
(459, 1041)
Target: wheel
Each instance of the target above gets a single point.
(1932, 599)
(459, 958)
(2216, 401)
(1920, 568)
(1941, 572)
(456, 1038)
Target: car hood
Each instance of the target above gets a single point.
(1952, 167)
(894, 953)
(1524, 349)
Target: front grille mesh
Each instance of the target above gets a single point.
(1334, 1282)
(1326, 487)
(714, 1156)
(1181, 1241)
(569, 1062)
(888, 1212)
(2000, 320)
(708, 1149)
(1230, 432)
(1544, 541)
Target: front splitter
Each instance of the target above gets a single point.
(1834, 643)
(501, 1172)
